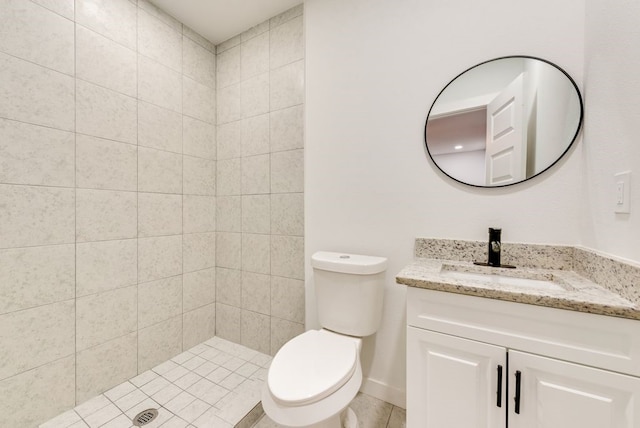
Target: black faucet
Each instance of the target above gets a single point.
(495, 249)
(495, 246)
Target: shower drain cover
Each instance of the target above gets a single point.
(145, 417)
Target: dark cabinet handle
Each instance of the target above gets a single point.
(517, 397)
(499, 393)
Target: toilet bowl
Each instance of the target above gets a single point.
(313, 377)
(312, 380)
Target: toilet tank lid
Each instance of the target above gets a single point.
(348, 263)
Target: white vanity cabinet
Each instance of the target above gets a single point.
(454, 382)
(465, 355)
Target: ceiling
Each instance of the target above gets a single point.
(219, 20)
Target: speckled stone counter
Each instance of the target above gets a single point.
(584, 281)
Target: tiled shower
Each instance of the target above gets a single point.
(138, 216)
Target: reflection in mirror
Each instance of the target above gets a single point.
(503, 121)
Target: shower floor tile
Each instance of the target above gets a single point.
(214, 384)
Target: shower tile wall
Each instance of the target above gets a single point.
(260, 218)
(107, 198)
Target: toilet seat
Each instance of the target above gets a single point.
(311, 367)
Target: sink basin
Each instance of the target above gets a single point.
(541, 283)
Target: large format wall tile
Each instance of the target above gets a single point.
(105, 366)
(106, 63)
(199, 176)
(34, 396)
(36, 216)
(287, 299)
(287, 129)
(229, 286)
(228, 321)
(159, 343)
(256, 214)
(103, 215)
(105, 164)
(199, 214)
(255, 331)
(228, 250)
(34, 33)
(287, 171)
(159, 300)
(159, 257)
(256, 253)
(260, 183)
(228, 177)
(115, 19)
(255, 174)
(229, 105)
(254, 58)
(31, 154)
(287, 256)
(159, 41)
(106, 265)
(255, 95)
(255, 135)
(104, 113)
(229, 140)
(36, 276)
(98, 119)
(287, 214)
(229, 213)
(228, 67)
(36, 336)
(105, 316)
(61, 7)
(159, 128)
(198, 63)
(34, 94)
(198, 289)
(159, 171)
(199, 251)
(286, 43)
(198, 325)
(198, 100)
(199, 138)
(159, 214)
(256, 292)
(159, 84)
(287, 86)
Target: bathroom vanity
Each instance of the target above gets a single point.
(543, 345)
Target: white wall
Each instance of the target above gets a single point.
(612, 141)
(373, 68)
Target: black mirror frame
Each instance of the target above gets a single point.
(573, 140)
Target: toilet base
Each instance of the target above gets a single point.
(346, 419)
(349, 418)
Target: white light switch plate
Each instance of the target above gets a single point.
(622, 183)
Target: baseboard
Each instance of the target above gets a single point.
(382, 391)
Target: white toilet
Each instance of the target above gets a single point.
(313, 377)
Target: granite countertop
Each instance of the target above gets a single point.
(575, 292)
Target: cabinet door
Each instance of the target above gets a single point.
(453, 382)
(555, 393)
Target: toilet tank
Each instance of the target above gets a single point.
(349, 290)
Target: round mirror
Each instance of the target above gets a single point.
(503, 121)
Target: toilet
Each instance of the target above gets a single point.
(313, 377)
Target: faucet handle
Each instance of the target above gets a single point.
(495, 246)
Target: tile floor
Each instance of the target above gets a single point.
(212, 385)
